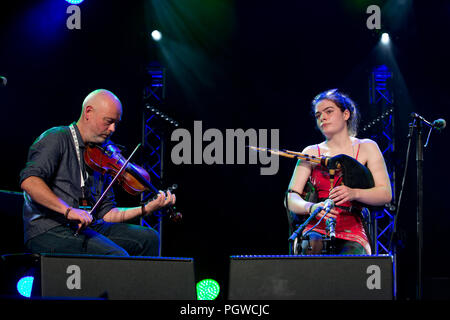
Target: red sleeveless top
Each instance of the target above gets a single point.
(349, 225)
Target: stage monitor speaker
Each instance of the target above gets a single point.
(111, 278)
(311, 278)
(11, 237)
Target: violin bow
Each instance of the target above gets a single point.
(115, 178)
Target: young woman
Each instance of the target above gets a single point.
(337, 118)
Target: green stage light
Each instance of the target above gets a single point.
(207, 289)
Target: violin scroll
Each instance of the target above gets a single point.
(171, 210)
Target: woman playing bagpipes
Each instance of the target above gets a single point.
(337, 118)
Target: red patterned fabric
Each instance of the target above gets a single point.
(349, 225)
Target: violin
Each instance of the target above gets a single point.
(133, 178)
(108, 159)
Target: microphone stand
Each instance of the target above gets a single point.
(331, 224)
(419, 161)
(300, 229)
(418, 124)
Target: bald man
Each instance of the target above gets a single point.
(59, 189)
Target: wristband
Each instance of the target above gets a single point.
(67, 212)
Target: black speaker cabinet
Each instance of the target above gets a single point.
(311, 278)
(11, 237)
(112, 278)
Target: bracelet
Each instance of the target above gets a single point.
(142, 210)
(67, 212)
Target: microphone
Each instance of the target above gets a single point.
(3, 81)
(329, 204)
(331, 222)
(439, 124)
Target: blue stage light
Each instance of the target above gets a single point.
(74, 1)
(24, 286)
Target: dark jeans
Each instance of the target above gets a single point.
(104, 238)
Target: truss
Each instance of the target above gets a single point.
(154, 126)
(381, 129)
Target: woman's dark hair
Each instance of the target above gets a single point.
(344, 103)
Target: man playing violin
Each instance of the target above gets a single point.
(59, 188)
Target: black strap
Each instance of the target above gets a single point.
(293, 191)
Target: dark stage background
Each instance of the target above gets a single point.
(235, 64)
